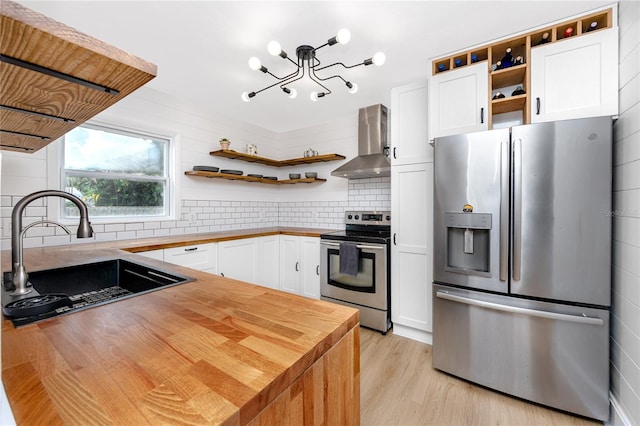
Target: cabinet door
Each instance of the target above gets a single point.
(458, 101)
(310, 260)
(290, 263)
(412, 248)
(198, 256)
(576, 77)
(238, 259)
(409, 120)
(269, 266)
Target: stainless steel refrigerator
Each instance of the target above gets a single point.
(522, 261)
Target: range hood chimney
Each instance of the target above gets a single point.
(373, 158)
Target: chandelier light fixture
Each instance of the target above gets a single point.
(308, 64)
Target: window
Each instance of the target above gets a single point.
(118, 174)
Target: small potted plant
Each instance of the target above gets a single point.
(224, 143)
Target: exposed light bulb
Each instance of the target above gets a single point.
(254, 63)
(291, 92)
(245, 96)
(274, 48)
(343, 37)
(353, 88)
(379, 58)
(314, 96)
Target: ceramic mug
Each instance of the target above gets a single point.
(310, 153)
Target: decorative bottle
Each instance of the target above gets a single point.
(507, 59)
(544, 39)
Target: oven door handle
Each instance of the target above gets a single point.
(360, 246)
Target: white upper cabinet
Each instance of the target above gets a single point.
(409, 124)
(458, 101)
(576, 77)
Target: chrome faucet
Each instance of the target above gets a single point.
(19, 274)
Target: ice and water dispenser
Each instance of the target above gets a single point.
(468, 242)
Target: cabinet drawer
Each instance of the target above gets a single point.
(200, 256)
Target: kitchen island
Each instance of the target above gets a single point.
(212, 351)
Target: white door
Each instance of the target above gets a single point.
(458, 101)
(290, 263)
(239, 259)
(412, 245)
(409, 124)
(269, 265)
(576, 77)
(310, 259)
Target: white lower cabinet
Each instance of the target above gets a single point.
(238, 259)
(282, 262)
(300, 265)
(269, 262)
(412, 250)
(198, 256)
(310, 273)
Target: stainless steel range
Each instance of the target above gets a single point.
(355, 267)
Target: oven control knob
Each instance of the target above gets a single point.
(388, 217)
(350, 217)
(357, 217)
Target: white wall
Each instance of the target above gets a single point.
(208, 205)
(625, 317)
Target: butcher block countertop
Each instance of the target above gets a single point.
(156, 243)
(212, 351)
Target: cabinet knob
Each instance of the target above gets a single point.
(297, 263)
(537, 106)
(482, 115)
(317, 269)
(394, 152)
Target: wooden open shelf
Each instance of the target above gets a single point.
(509, 76)
(509, 104)
(228, 176)
(234, 155)
(55, 78)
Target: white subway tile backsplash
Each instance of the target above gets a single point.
(114, 227)
(199, 216)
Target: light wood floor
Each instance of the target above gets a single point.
(399, 387)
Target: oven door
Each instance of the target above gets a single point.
(367, 288)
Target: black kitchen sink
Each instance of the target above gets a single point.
(73, 288)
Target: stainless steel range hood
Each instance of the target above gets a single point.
(372, 159)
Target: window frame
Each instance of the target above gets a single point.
(171, 189)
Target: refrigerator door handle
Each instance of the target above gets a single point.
(504, 210)
(517, 209)
(582, 319)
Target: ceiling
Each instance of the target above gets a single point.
(201, 48)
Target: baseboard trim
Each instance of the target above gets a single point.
(617, 417)
(412, 333)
